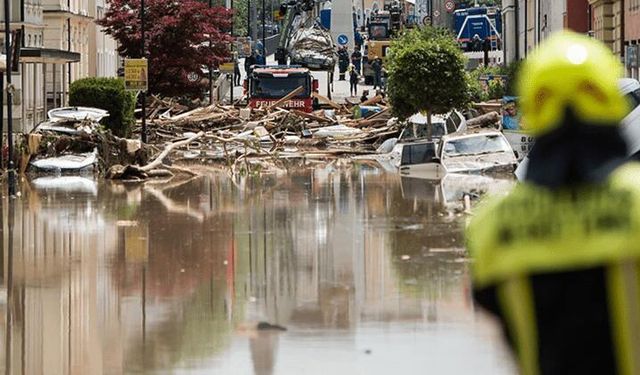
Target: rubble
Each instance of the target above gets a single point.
(73, 141)
(236, 137)
(240, 139)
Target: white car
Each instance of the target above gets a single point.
(416, 131)
(475, 152)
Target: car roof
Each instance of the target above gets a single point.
(421, 119)
(280, 70)
(471, 134)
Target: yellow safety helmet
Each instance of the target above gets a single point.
(570, 70)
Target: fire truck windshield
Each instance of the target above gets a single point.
(277, 87)
(378, 31)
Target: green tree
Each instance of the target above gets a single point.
(426, 73)
(108, 94)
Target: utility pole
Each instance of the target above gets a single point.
(364, 21)
(254, 20)
(211, 66)
(249, 18)
(143, 94)
(264, 43)
(431, 12)
(234, 55)
(7, 45)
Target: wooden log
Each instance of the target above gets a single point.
(489, 119)
(326, 100)
(158, 160)
(375, 100)
(311, 116)
(193, 112)
(286, 98)
(487, 107)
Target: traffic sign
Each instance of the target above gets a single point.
(436, 13)
(136, 74)
(449, 5)
(227, 67)
(343, 39)
(193, 77)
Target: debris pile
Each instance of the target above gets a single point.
(357, 126)
(73, 141)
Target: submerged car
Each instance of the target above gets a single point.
(63, 122)
(416, 130)
(441, 125)
(484, 151)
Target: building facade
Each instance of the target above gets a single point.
(527, 22)
(632, 37)
(60, 43)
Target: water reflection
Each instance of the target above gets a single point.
(365, 270)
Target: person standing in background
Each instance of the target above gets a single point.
(354, 77)
(343, 61)
(356, 60)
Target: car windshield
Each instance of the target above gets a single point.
(477, 145)
(419, 131)
(278, 87)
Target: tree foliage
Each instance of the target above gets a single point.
(426, 73)
(108, 94)
(177, 37)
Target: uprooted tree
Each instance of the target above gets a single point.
(177, 37)
(426, 74)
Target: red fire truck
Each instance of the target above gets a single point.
(268, 84)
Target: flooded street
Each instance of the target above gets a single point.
(365, 270)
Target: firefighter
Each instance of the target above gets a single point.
(557, 260)
(376, 65)
(249, 62)
(354, 77)
(356, 59)
(343, 61)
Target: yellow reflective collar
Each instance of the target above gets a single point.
(535, 230)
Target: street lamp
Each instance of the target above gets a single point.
(264, 45)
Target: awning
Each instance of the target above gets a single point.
(48, 55)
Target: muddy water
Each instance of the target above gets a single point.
(365, 270)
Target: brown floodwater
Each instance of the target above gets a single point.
(366, 270)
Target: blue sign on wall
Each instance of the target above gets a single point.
(343, 39)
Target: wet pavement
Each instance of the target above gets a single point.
(365, 270)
